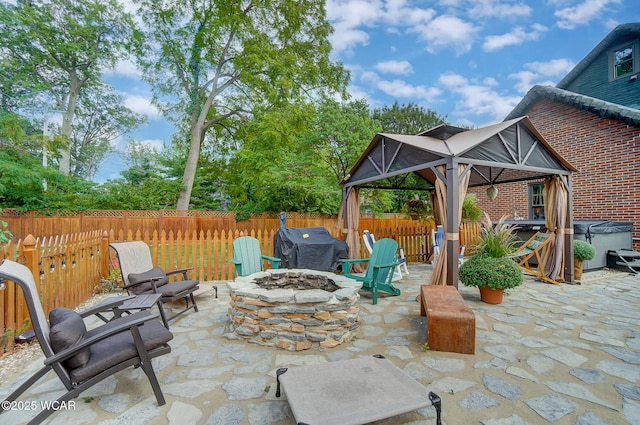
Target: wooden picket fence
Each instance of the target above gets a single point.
(69, 268)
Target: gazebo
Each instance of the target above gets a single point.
(450, 159)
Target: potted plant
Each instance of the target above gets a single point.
(491, 270)
(582, 251)
(417, 208)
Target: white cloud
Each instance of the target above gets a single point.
(125, 68)
(345, 39)
(401, 89)
(477, 99)
(346, 17)
(156, 144)
(141, 105)
(540, 73)
(489, 8)
(447, 31)
(394, 67)
(554, 67)
(583, 13)
(517, 36)
(398, 13)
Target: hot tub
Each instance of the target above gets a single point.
(604, 235)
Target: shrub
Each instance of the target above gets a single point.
(470, 211)
(496, 273)
(583, 251)
(497, 240)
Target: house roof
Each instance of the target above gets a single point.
(559, 93)
(591, 104)
(603, 46)
(508, 151)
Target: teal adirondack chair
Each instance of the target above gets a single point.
(382, 263)
(247, 256)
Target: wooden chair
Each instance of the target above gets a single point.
(82, 358)
(247, 257)
(379, 273)
(370, 240)
(141, 277)
(532, 249)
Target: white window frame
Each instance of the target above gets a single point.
(635, 61)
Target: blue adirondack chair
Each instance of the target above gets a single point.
(379, 273)
(247, 256)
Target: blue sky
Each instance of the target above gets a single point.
(469, 60)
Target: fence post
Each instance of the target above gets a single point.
(32, 256)
(104, 267)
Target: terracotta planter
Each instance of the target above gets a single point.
(577, 268)
(491, 296)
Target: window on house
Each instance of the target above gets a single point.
(623, 61)
(536, 201)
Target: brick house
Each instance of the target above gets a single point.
(592, 119)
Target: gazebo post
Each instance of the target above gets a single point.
(568, 234)
(452, 234)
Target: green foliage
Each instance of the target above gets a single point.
(406, 119)
(100, 119)
(211, 63)
(470, 211)
(583, 250)
(89, 37)
(10, 334)
(497, 240)
(496, 273)
(5, 234)
(418, 208)
(293, 157)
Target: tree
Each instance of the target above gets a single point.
(143, 186)
(22, 174)
(101, 119)
(213, 61)
(274, 170)
(58, 47)
(406, 119)
(340, 133)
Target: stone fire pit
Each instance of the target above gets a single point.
(295, 309)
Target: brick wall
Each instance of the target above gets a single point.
(606, 153)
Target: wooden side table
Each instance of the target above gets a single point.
(131, 303)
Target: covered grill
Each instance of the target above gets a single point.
(308, 248)
(312, 248)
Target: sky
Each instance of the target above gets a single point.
(470, 61)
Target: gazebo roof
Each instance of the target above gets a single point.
(508, 151)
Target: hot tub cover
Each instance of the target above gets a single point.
(309, 248)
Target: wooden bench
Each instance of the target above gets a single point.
(451, 325)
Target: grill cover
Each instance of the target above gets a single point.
(312, 248)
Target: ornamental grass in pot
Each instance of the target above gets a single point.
(582, 251)
(491, 269)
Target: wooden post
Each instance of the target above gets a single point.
(104, 257)
(32, 257)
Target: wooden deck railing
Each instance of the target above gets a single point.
(68, 268)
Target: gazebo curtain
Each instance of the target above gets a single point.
(556, 198)
(439, 275)
(351, 209)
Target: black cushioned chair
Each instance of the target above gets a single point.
(81, 358)
(141, 277)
